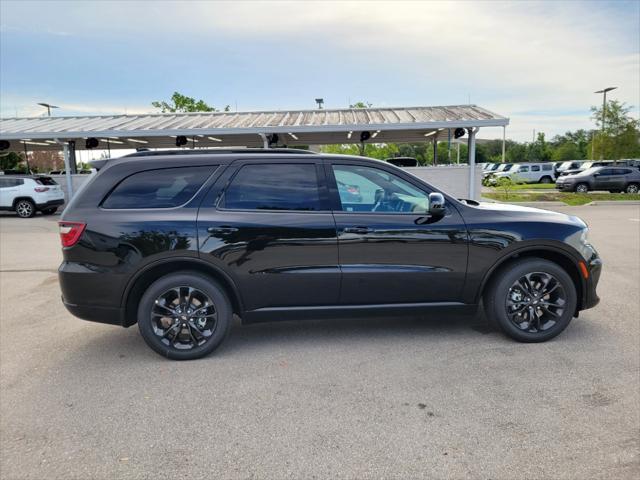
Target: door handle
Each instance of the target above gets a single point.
(221, 230)
(357, 230)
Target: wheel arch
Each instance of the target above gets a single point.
(23, 197)
(555, 255)
(141, 281)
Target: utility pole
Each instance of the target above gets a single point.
(604, 111)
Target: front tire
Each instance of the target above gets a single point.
(632, 188)
(582, 188)
(546, 180)
(533, 300)
(184, 315)
(25, 208)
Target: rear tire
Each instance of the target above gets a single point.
(184, 315)
(582, 188)
(517, 302)
(546, 180)
(632, 188)
(25, 208)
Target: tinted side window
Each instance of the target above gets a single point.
(524, 169)
(274, 187)
(4, 183)
(165, 188)
(547, 167)
(535, 168)
(368, 189)
(46, 181)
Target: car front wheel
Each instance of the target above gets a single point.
(582, 188)
(25, 208)
(632, 188)
(532, 301)
(184, 316)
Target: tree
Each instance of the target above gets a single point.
(566, 151)
(42, 161)
(621, 135)
(9, 161)
(183, 104)
(361, 105)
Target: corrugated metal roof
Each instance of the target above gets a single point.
(244, 128)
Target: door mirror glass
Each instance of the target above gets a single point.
(436, 204)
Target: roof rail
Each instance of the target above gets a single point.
(209, 151)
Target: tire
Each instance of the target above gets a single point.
(176, 335)
(546, 179)
(49, 211)
(25, 208)
(582, 188)
(545, 324)
(632, 188)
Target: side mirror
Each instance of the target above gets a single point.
(436, 204)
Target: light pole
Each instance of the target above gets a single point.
(604, 109)
(48, 107)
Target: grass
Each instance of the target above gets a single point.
(535, 186)
(568, 198)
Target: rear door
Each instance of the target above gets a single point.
(267, 224)
(391, 249)
(602, 179)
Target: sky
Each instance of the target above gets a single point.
(537, 63)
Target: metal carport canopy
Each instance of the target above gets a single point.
(220, 129)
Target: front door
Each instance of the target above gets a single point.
(391, 249)
(269, 227)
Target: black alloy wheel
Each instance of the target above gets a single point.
(531, 300)
(535, 301)
(184, 316)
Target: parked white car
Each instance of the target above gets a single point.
(27, 194)
(528, 173)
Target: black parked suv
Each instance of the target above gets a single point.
(179, 242)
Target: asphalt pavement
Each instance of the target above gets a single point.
(368, 398)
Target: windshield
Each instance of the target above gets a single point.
(504, 167)
(586, 165)
(565, 166)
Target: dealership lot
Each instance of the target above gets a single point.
(392, 398)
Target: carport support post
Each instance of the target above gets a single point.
(504, 137)
(472, 162)
(67, 170)
(265, 140)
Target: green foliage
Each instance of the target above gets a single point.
(361, 105)
(621, 135)
(10, 161)
(183, 104)
(507, 185)
(568, 198)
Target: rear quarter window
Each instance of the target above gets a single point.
(45, 181)
(163, 188)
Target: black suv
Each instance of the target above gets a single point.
(180, 242)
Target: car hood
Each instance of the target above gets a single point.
(529, 213)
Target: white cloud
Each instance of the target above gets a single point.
(511, 57)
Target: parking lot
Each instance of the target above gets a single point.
(384, 398)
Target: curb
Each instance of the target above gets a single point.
(543, 203)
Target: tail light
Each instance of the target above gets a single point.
(41, 189)
(70, 232)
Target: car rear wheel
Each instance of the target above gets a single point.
(546, 180)
(184, 316)
(25, 208)
(582, 188)
(532, 301)
(632, 188)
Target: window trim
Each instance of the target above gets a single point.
(215, 167)
(320, 177)
(335, 195)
